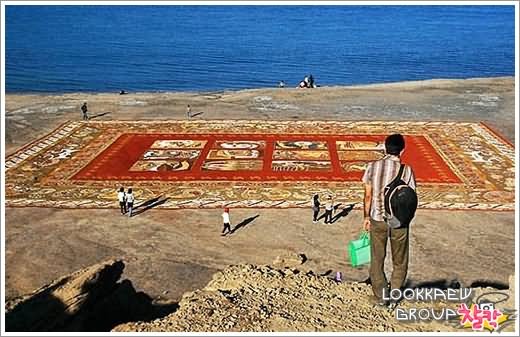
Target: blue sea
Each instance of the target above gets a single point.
(206, 48)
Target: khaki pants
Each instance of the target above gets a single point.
(379, 233)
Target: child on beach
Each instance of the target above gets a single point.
(130, 202)
(121, 196)
(329, 207)
(225, 219)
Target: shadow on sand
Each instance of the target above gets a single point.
(98, 306)
(243, 224)
(197, 113)
(99, 115)
(455, 284)
(149, 204)
(343, 213)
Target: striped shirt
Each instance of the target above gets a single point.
(379, 174)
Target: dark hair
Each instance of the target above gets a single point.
(394, 144)
(316, 197)
(129, 190)
(121, 189)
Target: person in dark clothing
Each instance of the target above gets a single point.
(84, 110)
(315, 208)
(311, 81)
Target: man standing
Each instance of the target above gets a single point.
(377, 176)
(188, 111)
(225, 219)
(84, 110)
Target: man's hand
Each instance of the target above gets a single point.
(366, 224)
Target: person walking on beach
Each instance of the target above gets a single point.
(188, 111)
(130, 202)
(377, 176)
(121, 196)
(329, 208)
(226, 221)
(84, 110)
(315, 208)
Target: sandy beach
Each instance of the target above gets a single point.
(169, 252)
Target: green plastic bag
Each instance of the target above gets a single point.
(359, 250)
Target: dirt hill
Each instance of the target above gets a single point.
(239, 298)
(265, 298)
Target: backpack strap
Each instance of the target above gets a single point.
(400, 174)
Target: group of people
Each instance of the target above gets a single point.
(378, 175)
(126, 201)
(307, 82)
(329, 209)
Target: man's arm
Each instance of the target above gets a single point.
(367, 203)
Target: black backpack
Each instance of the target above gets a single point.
(400, 202)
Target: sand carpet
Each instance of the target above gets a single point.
(193, 164)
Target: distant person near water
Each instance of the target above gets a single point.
(130, 202)
(315, 208)
(226, 221)
(307, 82)
(84, 110)
(378, 175)
(311, 82)
(121, 197)
(188, 111)
(281, 84)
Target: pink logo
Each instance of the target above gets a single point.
(480, 316)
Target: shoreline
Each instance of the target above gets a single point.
(405, 83)
(491, 100)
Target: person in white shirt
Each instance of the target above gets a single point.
(130, 202)
(121, 196)
(225, 219)
(329, 209)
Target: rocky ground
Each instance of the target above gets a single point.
(270, 299)
(241, 298)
